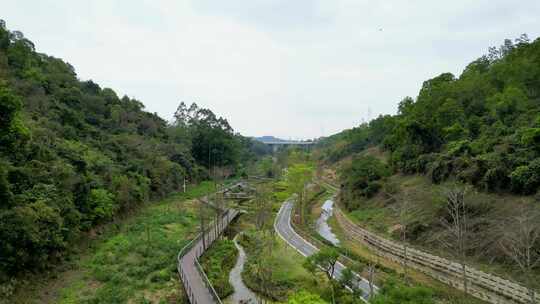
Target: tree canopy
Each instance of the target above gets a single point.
(482, 128)
(74, 154)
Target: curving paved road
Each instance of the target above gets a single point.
(283, 227)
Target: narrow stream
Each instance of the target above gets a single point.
(242, 294)
(322, 223)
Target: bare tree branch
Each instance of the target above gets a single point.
(519, 240)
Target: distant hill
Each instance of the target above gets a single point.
(267, 138)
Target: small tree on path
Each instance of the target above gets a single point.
(324, 261)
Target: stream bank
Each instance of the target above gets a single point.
(323, 228)
(242, 294)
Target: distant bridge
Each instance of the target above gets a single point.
(277, 144)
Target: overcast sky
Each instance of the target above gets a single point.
(289, 68)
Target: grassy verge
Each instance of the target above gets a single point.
(388, 272)
(217, 263)
(276, 270)
(287, 275)
(487, 210)
(272, 269)
(133, 261)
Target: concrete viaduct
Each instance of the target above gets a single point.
(278, 144)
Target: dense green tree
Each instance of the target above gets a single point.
(362, 178)
(102, 204)
(11, 125)
(74, 154)
(481, 127)
(304, 297)
(324, 261)
(298, 176)
(212, 140)
(29, 233)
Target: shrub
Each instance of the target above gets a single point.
(217, 263)
(371, 189)
(526, 179)
(531, 137)
(459, 147)
(304, 297)
(102, 204)
(29, 234)
(362, 177)
(396, 292)
(493, 179)
(423, 161)
(390, 189)
(439, 170)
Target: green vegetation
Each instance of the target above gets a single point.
(489, 215)
(324, 262)
(394, 292)
(477, 133)
(74, 155)
(217, 262)
(273, 270)
(481, 128)
(266, 167)
(132, 260)
(138, 262)
(385, 274)
(297, 178)
(304, 297)
(362, 179)
(275, 273)
(391, 273)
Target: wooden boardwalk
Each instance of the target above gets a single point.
(196, 284)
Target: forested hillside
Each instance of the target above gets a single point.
(73, 154)
(476, 136)
(482, 128)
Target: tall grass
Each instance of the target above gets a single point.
(138, 263)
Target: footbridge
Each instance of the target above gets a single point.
(198, 288)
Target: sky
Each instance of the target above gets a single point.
(295, 69)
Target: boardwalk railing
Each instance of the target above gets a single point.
(485, 286)
(189, 255)
(207, 283)
(211, 234)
